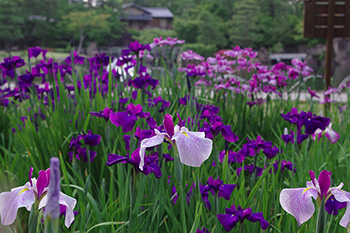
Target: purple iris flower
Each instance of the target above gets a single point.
(225, 130)
(332, 205)
(127, 119)
(184, 100)
(233, 157)
(150, 165)
(254, 146)
(35, 51)
(135, 47)
(284, 165)
(314, 123)
(298, 201)
(271, 152)
(103, 114)
(234, 215)
(91, 139)
(10, 65)
(144, 80)
(25, 80)
(49, 67)
(81, 153)
(203, 230)
(144, 133)
(307, 119)
(312, 92)
(212, 130)
(251, 169)
(98, 61)
(286, 137)
(175, 195)
(76, 58)
(126, 60)
(292, 116)
(256, 102)
(155, 101)
(216, 187)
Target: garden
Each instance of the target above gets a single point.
(140, 144)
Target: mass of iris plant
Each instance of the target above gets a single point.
(159, 138)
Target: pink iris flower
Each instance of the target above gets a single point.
(328, 132)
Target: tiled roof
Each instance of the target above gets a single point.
(158, 12)
(155, 12)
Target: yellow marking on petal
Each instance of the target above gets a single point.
(185, 134)
(305, 190)
(23, 190)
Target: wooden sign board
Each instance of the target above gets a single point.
(327, 19)
(321, 14)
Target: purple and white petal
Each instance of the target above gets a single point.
(339, 194)
(331, 134)
(192, 147)
(346, 217)
(150, 142)
(70, 203)
(11, 201)
(298, 202)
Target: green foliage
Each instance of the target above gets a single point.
(244, 29)
(209, 30)
(277, 30)
(112, 29)
(202, 49)
(187, 30)
(78, 20)
(11, 20)
(146, 36)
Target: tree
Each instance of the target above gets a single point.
(245, 31)
(11, 22)
(209, 30)
(81, 21)
(186, 29)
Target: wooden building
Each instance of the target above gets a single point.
(139, 17)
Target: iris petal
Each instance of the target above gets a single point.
(149, 142)
(331, 134)
(229, 221)
(298, 202)
(70, 203)
(193, 148)
(11, 201)
(346, 217)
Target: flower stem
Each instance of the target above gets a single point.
(179, 188)
(321, 218)
(33, 219)
(132, 186)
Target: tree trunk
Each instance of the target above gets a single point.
(7, 47)
(82, 37)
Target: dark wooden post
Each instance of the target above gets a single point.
(329, 42)
(327, 19)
